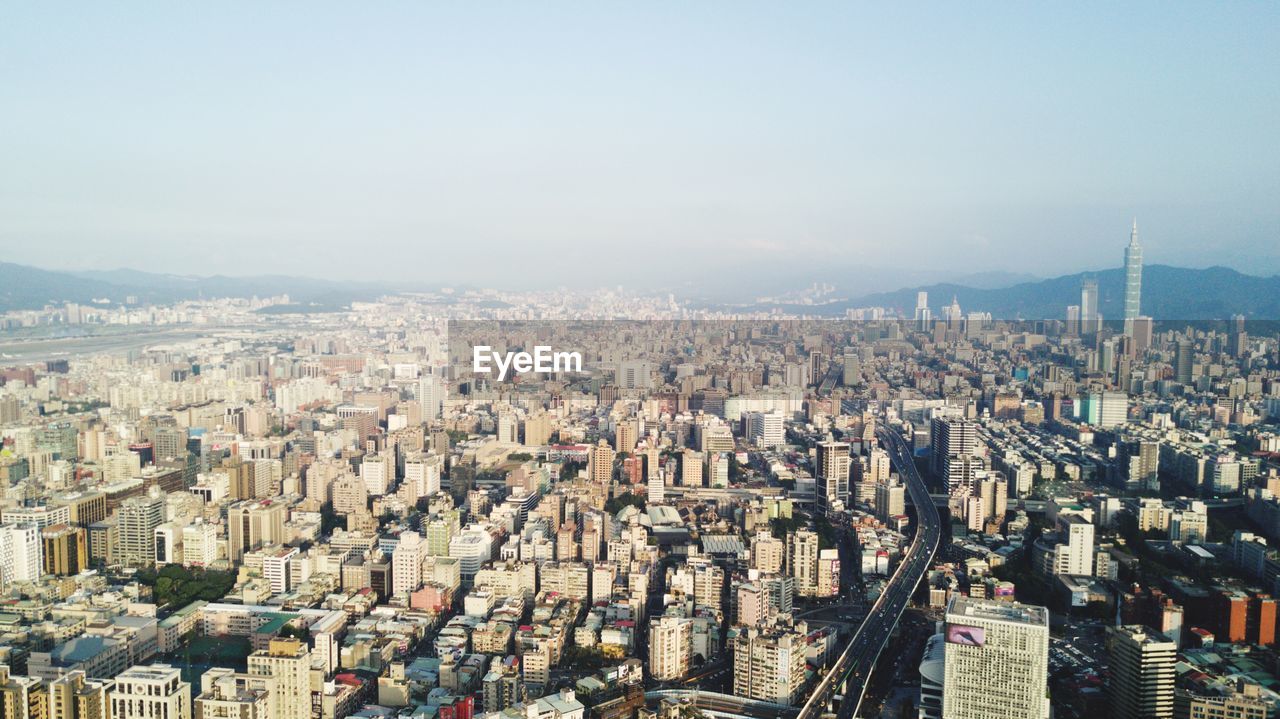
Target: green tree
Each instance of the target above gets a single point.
(782, 526)
(615, 505)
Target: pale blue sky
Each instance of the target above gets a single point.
(486, 141)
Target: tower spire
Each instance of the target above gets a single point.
(1133, 234)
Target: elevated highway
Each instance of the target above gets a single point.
(849, 674)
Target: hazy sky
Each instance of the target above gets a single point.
(486, 141)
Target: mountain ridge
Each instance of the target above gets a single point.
(1168, 292)
(25, 287)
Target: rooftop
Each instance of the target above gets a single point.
(1013, 612)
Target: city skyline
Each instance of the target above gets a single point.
(718, 360)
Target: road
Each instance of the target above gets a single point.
(859, 657)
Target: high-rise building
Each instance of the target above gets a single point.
(996, 660)
(1069, 550)
(156, 691)
(422, 475)
(1132, 280)
(503, 685)
(20, 696)
(1184, 355)
(1142, 673)
(1141, 330)
(288, 661)
(764, 429)
(817, 367)
(961, 474)
(349, 495)
(625, 435)
(537, 429)
(1245, 701)
(635, 374)
(406, 563)
(251, 524)
(1105, 409)
(767, 553)
(828, 573)
(1238, 343)
(769, 665)
(831, 474)
(377, 471)
(691, 468)
(949, 437)
(66, 550)
(137, 519)
(1090, 317)
(803, 562)
(199, 544)
(600, 463)
(508, 428)
(670, 647)
(74, 696)
(851, 370)
(891, 500)
(922, 316)
(932, 665)
(20, 553)
(1073, 320)
(752, 604)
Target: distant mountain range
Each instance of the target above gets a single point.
(1168, 293)
(23, 287)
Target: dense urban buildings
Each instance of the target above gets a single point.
(297, 516)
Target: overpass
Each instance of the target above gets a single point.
(726, 706)
(1038, 506)
(849, 674)
(1031, 506)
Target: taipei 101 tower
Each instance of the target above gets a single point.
(1132, 280)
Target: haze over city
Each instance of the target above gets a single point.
(510, 143)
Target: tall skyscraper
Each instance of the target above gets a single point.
(922, 316)
(831, 474)
(600, 463)
(1142, 673)
(1183, 358)
(996, 661)
(1132, 280)
(137, 519)
(950, 437)
(803, 561)
(1090, 318)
